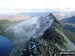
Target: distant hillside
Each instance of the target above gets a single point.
(70, 27)
(69, 24)
(68, 20)
(63, 15)
(1, 18)
(6, 23)
(14, 17)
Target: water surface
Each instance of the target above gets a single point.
(5, 46)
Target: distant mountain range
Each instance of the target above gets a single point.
(69, 23)
(64, 15)
(69, 20)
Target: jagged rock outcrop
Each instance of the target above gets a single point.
(46, 30)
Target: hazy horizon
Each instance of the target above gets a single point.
(15, 6)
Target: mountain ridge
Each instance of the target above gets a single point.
(45, 28)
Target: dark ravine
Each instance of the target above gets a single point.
(45, 30)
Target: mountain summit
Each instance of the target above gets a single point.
(46, 30)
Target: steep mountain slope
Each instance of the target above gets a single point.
(46, 30)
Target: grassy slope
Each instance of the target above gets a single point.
(5, 23)
(67, 36)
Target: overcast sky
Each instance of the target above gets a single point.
(37, 4)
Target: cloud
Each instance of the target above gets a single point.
(37, 4)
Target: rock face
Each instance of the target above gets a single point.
(46, 30)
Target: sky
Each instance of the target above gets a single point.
(37, 4)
